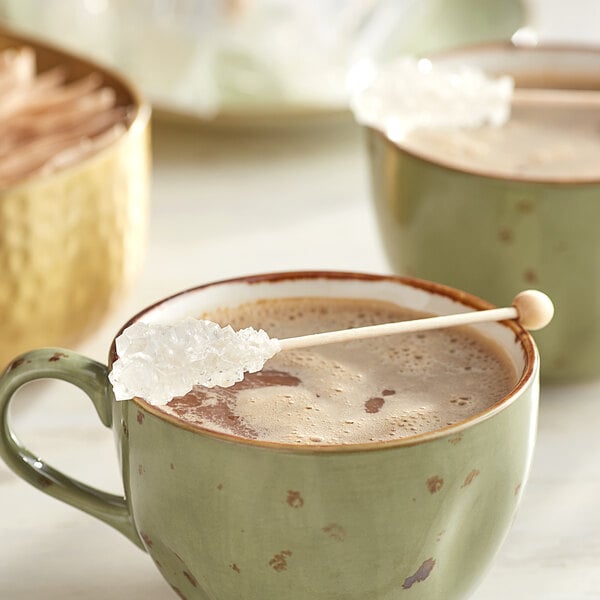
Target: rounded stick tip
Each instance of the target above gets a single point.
(535, 309)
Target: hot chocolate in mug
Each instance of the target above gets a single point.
(226, 516)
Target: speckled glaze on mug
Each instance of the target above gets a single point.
(493, 235)
(226, 518)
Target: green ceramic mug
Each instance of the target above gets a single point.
(227, 518)
(495, 235)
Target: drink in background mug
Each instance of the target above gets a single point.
(226, 517)
(465, 220)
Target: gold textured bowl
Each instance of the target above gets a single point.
(72, 241)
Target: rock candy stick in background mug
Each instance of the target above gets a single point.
(492, 210)
(226, 511)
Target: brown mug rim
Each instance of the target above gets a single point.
(465, 298)
(487, 173)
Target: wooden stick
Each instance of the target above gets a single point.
(556, 97)
(533, 309)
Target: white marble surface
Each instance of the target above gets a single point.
(226, 205)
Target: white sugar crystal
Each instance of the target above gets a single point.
(409, 93)
(158, 362)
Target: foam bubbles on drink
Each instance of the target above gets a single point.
(318, 395)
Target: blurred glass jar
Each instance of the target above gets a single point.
(211, 56)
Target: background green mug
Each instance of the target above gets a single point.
(226, 518)
(494, 235)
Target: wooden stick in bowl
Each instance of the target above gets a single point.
(47, 121)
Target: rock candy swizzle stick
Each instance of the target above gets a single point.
(158, 362)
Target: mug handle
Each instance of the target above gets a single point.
(91, 377)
